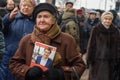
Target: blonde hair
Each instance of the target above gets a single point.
(32, 2)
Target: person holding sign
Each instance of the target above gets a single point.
(46, 30)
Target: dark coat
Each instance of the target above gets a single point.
(2, 43)
(89, 24)
(103, 53)
(66, 47)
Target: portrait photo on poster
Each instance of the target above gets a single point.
(43, 55)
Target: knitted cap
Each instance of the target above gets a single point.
(45, 7)
(79, 11)
(107, 13)
(33, 2)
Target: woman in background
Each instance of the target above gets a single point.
(103, 52)
(17, 24)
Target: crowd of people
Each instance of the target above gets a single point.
(75, 33)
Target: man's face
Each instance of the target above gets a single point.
(46, 53)
(10, 5)
(69, 6)
(92, 16)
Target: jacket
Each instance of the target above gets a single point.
(13, 31)
(89, 24)
(70, 25)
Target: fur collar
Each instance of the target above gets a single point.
(100, 27)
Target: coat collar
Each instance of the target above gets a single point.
(102, 29)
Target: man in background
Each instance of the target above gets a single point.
(10, 5)
(68, 6)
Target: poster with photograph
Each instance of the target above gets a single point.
(43, 55)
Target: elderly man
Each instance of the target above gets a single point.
(10, 5)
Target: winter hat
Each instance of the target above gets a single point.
(45, 7)
(113, 12)
(79, 11)
(33, 2)
(93, 12)
(106, 13)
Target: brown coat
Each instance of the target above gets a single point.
(104, 53)
(66, 46)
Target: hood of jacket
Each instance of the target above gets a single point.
(68, 14)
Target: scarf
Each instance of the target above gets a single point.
(46, 38)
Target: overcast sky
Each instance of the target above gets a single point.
(96, 4)
(92, 4)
